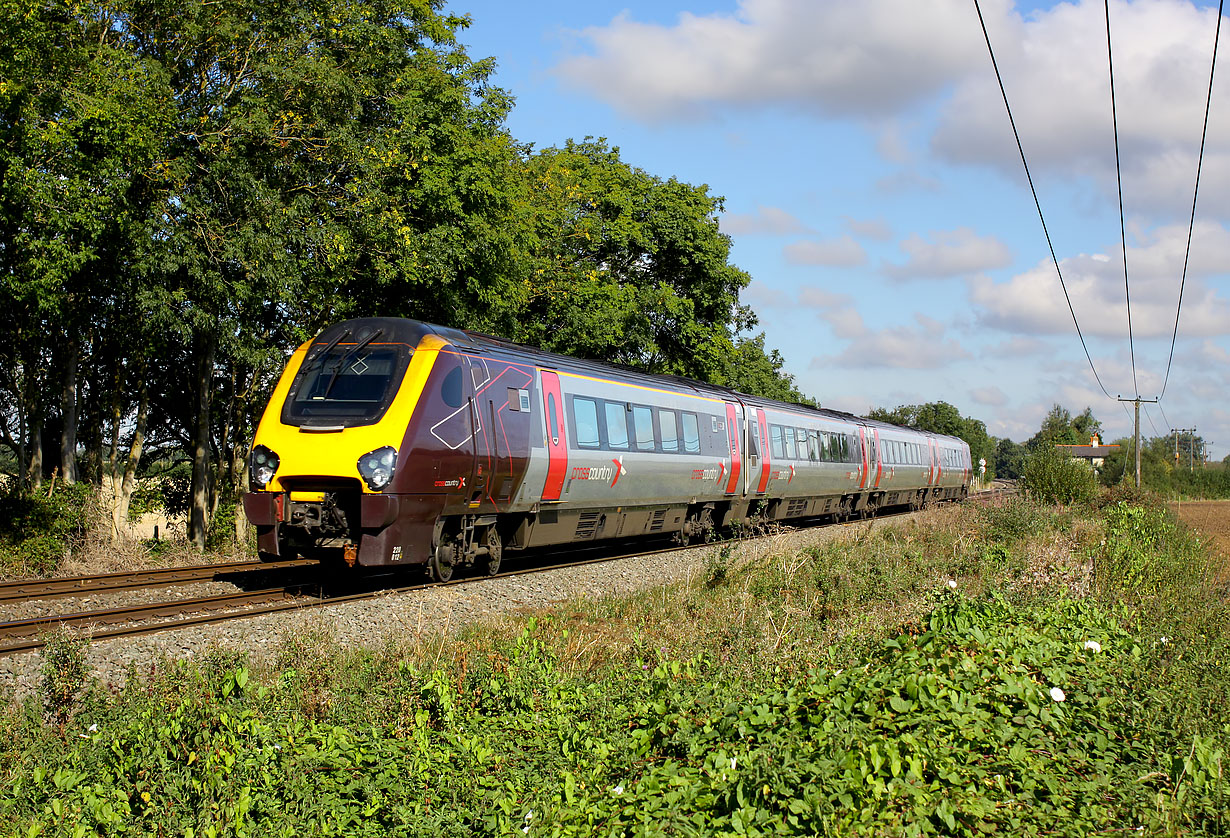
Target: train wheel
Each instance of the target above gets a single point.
(442, 562)
(495, 551)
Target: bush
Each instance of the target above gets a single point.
(38, 528)
(1050, 477)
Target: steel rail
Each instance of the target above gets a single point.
(23, 590)
(292, 597)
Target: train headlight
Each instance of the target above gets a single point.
(377, 467)
(264, 464)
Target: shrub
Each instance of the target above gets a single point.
(38, 528)
(1050, 477)
(64, 673)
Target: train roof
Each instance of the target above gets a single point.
(405, 330)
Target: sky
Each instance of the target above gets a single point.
(874, 192)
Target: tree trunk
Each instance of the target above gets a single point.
(199, 511)
(68, 437)
(119, 512)
(35, 472)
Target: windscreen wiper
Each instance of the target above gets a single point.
(319, 358)
(350, 353)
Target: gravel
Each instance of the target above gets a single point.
(371, 622)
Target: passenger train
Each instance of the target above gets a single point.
(391, 442)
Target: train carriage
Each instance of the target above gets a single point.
(394, 442)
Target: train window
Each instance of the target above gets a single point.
(789, 434)
(585, 412)
(642, 423)
(813, 445)
(775, 442)
(668, 428)
(754, 448)
(691, 433)
(801, 436)
(854, 451)
(616, 426)
(450, 390)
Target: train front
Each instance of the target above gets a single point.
(325, 461)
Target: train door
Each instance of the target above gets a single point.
(732, 437)
(761, 429)
(877, 457)
(865, 471)
(557, 441)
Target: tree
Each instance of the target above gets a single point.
(1060, 428)
(629, 267)
(1009, 459)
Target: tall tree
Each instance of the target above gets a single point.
(629, 267)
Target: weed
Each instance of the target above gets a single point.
(64, 672)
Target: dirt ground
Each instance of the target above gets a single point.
(1211, 518)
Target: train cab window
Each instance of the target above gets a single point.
(776, 446)
(585, 413)
(691, 433)
(616, 426)
(668, 429)
(789, 432)
(642, 424)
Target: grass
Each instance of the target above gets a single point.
(897, 680)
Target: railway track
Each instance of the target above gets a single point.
(133, 621)
(24, 590)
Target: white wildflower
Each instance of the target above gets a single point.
(952, 584)
(93, 728)
(1057, 694)
(1165, 640)
(733, 760)
(1093, 646)
(618, 789)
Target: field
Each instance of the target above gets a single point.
(1209, 517)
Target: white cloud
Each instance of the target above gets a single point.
(990, 395)
(897, 347)
(876, 229)
(819, 298)
(950, 253)
(758, 294)
(765, 220)
(830, 56)
(1033, 303)
(842, 251)
(1054, 67)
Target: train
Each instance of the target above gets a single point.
(390, 442)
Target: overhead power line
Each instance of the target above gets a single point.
(1114, 118)
(1191, 224)
(1037, 203)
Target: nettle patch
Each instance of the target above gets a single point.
(983, 719)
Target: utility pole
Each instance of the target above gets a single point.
(1136, 432)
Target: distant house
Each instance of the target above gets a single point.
(1095, 453)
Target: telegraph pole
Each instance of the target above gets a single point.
(1136, 432)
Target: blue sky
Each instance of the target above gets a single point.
(875, 195)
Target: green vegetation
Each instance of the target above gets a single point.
(37, 528)
(1073, 679)
(1052, 477)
